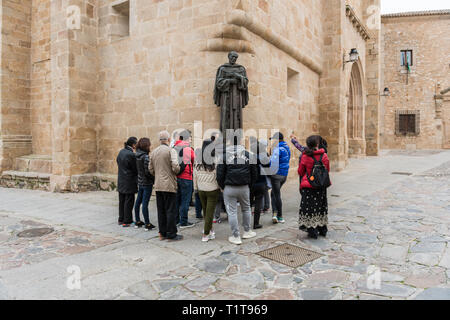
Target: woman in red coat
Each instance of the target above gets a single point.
(314, 205)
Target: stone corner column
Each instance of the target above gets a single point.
(74, 66)
(331, 92)
(372, 17)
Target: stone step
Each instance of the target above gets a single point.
(33, 163)
(25, 180)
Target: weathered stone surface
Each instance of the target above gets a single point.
(364, 296)
(390, 277)
(246, 283)
(276, 294)
(201, 283)
(317, 294)
(434, 294)
(129, 297)
(426, 280)
(388, 290)
(427, 247)
(284, 281)
(362, 250)
(164, 285)
(327, 278)
(3, 291)
(178, 293)
(217, 266)
(225, 296)
(428, 259)
(267, 274)
(396, 253)
(445, 261)
(357, 238)
(143, 290)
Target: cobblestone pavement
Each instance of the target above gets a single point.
(389, 239)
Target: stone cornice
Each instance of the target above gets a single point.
(242, 19)
(357, 24)
(417, 14)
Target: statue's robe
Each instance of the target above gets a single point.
(230, 97)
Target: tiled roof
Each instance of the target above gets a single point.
(417, 13)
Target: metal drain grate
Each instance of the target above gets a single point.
(289, 255)
(34, 233)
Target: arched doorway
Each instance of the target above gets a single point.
(355, 114)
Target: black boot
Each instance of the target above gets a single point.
(256, 224)
(312, 233)
(323, 231)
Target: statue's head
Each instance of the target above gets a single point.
(232, 57)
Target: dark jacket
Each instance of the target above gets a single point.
(263, 167)
(142, 162)
(127, 176)
(238, 169)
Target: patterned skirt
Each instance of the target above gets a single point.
(313, 208)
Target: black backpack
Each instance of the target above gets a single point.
(180, 153)
(319, 178)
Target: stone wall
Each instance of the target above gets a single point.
(40, 95)
(15, 129)
(427, 36)
(162, 75)
(136, 67)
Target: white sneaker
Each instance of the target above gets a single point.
(205, 238)
(248, 235)
(274, 219)
(212, 235)
(235, 240)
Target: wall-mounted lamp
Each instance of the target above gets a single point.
(354, 56)
(386, 93)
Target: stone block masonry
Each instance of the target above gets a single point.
(81, 76)
(426, 34)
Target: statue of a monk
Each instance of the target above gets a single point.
(231, 93)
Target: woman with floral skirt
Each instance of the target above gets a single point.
(313, 215)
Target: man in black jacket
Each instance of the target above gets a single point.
(236, 173)
(127, 181)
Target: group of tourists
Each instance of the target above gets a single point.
(220, 177)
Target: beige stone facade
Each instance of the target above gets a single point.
(421, 92)
(80, 76)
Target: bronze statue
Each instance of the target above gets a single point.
(231, 93)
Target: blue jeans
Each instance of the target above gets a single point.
(144, 194)
(198, 207)
(184, 195)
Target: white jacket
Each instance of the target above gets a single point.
(205, 180)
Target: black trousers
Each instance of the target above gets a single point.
(126, 204)
(166, 202)
(277, 204)
(258, 192)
